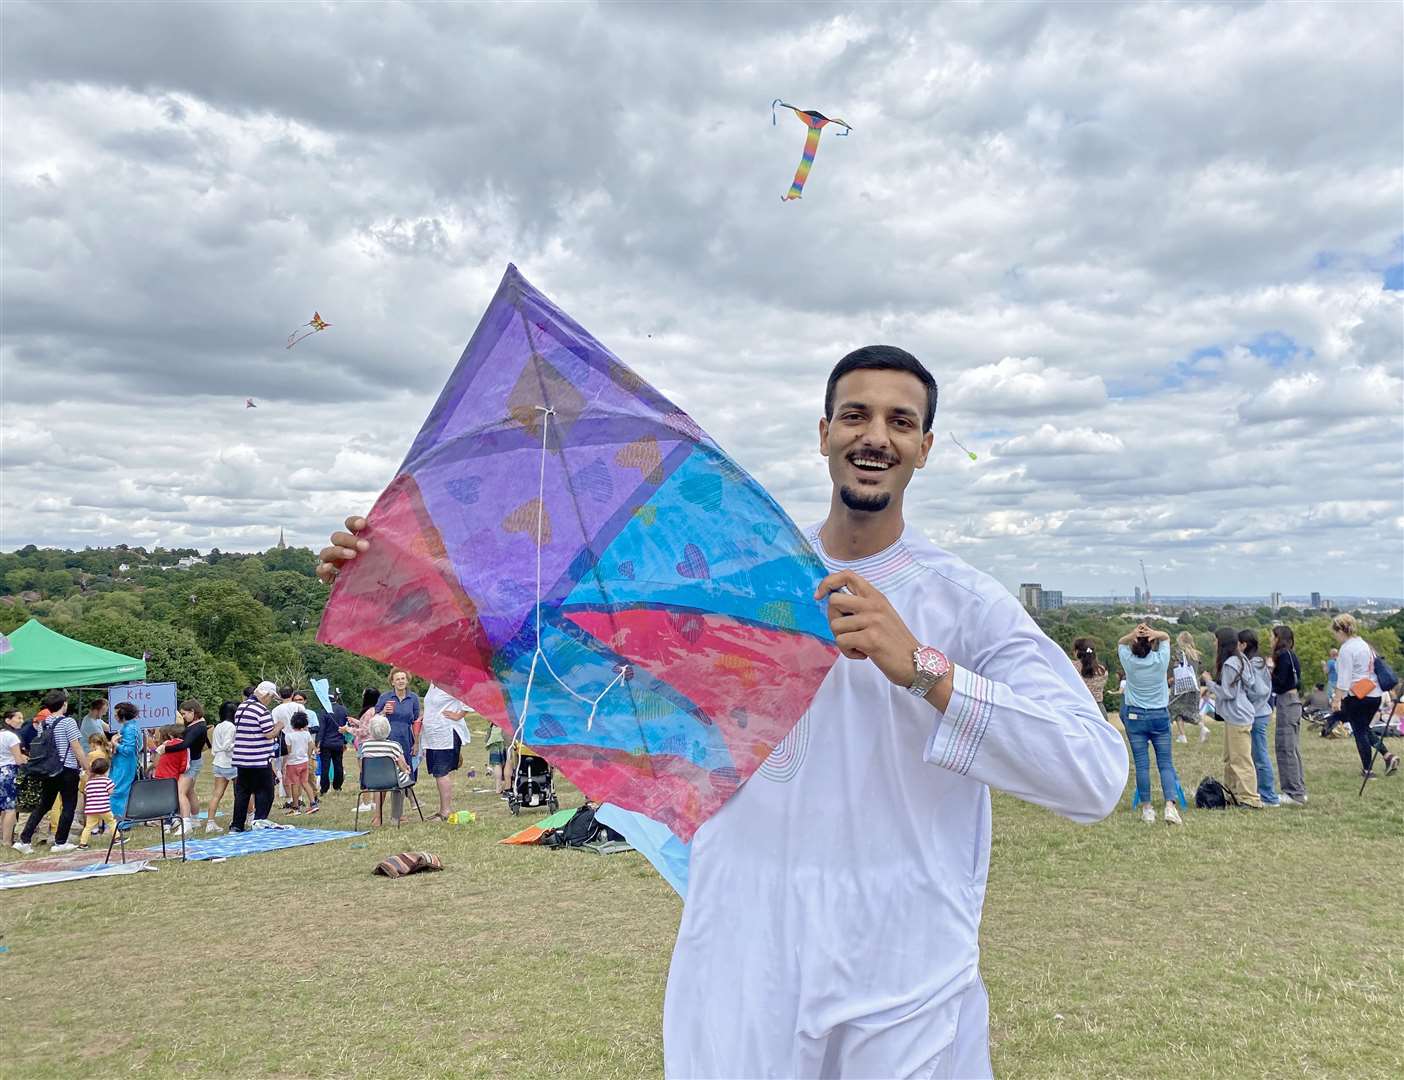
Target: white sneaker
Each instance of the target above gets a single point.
(1148, 814)
(1203, 734)
(187, 825)
(1181, 738)
(1172, 815)
(23, 848)
(58, 848)
(211, 827)
(365, 808)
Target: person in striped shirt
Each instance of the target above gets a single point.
(97, 799)
(381, 745)
(255, 743)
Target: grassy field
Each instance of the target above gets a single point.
(1245, 944)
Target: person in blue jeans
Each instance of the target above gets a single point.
(1145, 713)
(1258, 683)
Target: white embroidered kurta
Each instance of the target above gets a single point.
(833, 908)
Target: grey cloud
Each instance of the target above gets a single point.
(1108, 190)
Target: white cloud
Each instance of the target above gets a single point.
(1141, 248)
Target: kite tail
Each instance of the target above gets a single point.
(811, 147)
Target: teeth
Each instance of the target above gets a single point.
(871, 463)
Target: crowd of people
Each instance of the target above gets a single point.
(1166, 687)
(270, 746)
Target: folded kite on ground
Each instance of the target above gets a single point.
(567, 552)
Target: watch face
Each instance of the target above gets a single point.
(932, 662)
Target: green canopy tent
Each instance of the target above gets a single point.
(40, 659)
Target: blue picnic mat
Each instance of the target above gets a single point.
(229, 845)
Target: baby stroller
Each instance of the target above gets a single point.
(533, 782)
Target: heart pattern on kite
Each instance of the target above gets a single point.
(704, 490)
(766, 530)
(547, 727)
(525, 517)
(626, 570)
(694, 563)
(465, 489)
(643, 454)
(690, 627)
(648, 514)
(594, 480)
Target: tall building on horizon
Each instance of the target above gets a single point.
(1031, 595)
(1316, 601)
(1050, 599)
(1138, 597)
(1275, 601)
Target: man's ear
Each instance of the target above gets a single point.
(823, 437)
(926, 441)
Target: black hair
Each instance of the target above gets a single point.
(1141, 647)
(1226, 645)
(194, 705)
(1250, 643)
(227, 709)
(1282, 639)
(55, 700)
(369, 697)
(299, 720)
(1086, 652)
(883, 358)
(285, 692)
(125, 711)
(248, 692)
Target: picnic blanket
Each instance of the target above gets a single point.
(19, 875)
(254, 842)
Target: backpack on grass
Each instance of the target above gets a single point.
(1212, 795)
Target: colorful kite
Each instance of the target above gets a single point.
(973, 456)
(815, 122)
(566, 551)
(317, 324)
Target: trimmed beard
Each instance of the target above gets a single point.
(866, 504)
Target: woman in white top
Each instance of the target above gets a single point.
(221, 761)
(1358, 692)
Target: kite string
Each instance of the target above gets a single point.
(539, 655)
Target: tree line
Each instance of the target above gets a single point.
(216, 625)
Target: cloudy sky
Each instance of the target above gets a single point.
(1153, 254)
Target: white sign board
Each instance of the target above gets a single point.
(155, 703)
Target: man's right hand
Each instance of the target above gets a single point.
(344, 547)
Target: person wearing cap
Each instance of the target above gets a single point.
(255, 743)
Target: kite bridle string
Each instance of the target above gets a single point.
(539, 656)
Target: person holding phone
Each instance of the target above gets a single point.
(400, 706)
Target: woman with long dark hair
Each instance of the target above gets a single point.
(1092, 670)
(1259, 683)
(1286, 738)
(1358, 692)
(1232, 703)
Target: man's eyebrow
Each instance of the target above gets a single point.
(899, 410)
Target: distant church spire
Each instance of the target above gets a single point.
(281, 546)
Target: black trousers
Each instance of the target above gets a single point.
(1358, 712)
(258, 782)
(63, 786)
(332, 768)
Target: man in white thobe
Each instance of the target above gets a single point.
(831, 923)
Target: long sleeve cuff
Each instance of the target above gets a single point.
(959, 730)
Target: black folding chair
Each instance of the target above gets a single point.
(150, 800)
(380, 774)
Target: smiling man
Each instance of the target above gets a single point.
(831, 926)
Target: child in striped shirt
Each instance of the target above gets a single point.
(97, 799)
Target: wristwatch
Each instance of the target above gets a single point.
(931, 666)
